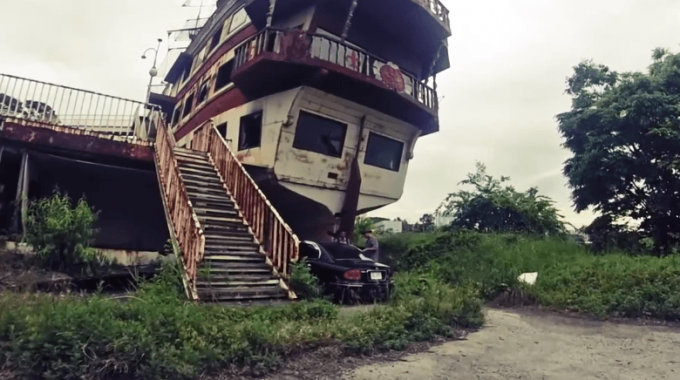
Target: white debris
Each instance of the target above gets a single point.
(528, 278)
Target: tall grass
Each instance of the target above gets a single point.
(569, 277)
(157, 334)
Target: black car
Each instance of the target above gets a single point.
(346, 274)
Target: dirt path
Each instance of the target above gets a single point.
(533, 346)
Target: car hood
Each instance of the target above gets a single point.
(364, 263)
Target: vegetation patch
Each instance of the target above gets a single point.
(61, 233)
(155, 333)
(569, 276)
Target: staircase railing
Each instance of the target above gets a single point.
(278, 240)
(190, 235)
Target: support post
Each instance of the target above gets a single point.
(348, 21)
(349, 208)
(21, 198)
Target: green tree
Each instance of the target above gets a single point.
(494, 207)
(624, 132)
(360, 225)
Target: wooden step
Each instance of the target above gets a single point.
(213, 213)
(190, 158)
(234, 258)
(236, 268)
(241, 294)
(198, 189)
(208, 196)
(200, 178)
(220, 236)
(225, 282)
(198, 168)
(215, 221)
(190, 152)
(231, 246)
(204, 184)
(216, 205)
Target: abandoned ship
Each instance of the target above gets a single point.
(281, 121)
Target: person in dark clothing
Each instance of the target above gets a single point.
(372, 247)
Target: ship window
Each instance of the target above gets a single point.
(203, 92)
(250, 131)
(216, 38)
(177, 114)
(319, 134)
(187, 106)
(240, 18)
(222, 130)
(224, 75)
(383, 152)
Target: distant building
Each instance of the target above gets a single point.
(441, 220)
(389, 226)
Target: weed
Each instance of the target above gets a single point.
(61, 233)
(305, 284)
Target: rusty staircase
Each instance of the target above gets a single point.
(235, 247)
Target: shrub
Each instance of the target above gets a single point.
(60, 233)
(303, 282)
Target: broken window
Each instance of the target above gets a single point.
(188, 105)
(203, 92)
(224, 75)
(222, 129)
(250, 131)
(383, 152)
(319, 134)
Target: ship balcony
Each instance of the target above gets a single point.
(274, 60)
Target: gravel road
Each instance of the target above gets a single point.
(531, 346)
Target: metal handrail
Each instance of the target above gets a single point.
(49, 103)
(188, 230)
(337, 52)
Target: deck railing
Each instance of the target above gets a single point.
(48, 103)
(331, 50)
(437, 9)
(188, 231)
(279, 242)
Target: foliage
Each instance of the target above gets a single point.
(362, 224)
(569, 277)
(60, 233)
(303, 282)
(605, 236)
(623, 131)
(156, 334)
(426, 222)
(493, 207)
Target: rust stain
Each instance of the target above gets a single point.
(302, 157)
(75, 139)
(346, 163)
(242, 156)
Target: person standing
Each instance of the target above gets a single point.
(342, 238)
(372, 247)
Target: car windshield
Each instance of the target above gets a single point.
(343, 251)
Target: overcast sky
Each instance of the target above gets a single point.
(509, 62)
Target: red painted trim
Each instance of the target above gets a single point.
(74, 139)
(239, 37)
(215, 106)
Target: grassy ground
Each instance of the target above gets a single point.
(157, 334)
(569, 277)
